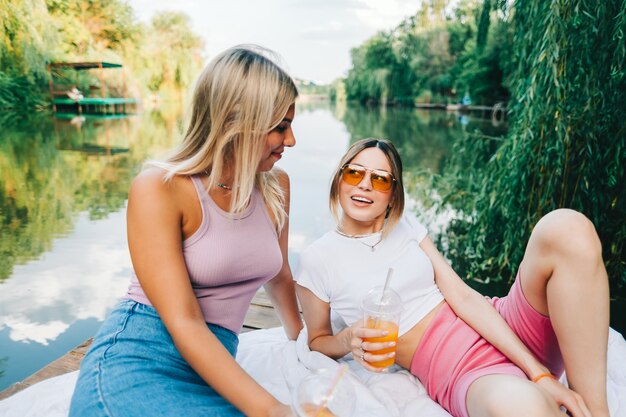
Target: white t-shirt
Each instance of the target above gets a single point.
(340, 271)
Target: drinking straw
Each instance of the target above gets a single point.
(342, 371)
(382, 297)
(389, 275)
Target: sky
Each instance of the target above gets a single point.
(313, 37)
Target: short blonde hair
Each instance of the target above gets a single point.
(241, 95)
(396, 202)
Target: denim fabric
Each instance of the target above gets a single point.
(134, 369)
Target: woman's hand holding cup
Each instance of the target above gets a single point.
(366, 352)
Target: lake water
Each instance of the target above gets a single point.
(63, 185)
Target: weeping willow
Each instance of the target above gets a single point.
(566, 145)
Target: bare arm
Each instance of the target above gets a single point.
(349, 340)
(155, 242)
(317, 318)
(281, 289)
(476, 311)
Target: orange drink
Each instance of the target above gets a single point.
(392, 328)
(312, 410)
(324, 393)
(381, 310)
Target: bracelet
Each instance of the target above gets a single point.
(541, 376)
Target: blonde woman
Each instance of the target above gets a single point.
(207, 227)
(475, 357)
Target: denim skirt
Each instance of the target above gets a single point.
(134, 369)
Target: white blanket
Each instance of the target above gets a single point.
(279, 365)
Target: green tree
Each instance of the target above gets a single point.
(171, 56)
(485, 72)
(87, 28)
(483, 26)
(422, 59)
(567, 142)
(163, 57)
(25, 41)
(365, 83)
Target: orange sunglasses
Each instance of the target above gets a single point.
(353, 174)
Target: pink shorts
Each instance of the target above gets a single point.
(451, 355)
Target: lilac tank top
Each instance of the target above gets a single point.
(228, 259)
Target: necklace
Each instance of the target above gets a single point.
(219, 184)
(354, 236)
(359, 238)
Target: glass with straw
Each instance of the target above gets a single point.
(325, 393)
(381, 310)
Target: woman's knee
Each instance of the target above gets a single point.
(523, 406)
(568, 232)
(508, 396)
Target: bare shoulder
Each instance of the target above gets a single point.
(282, 177)
(150, 177)
(150, 187)
(154, 179)
(149, 183)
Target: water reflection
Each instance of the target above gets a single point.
(63, 189)
(422, 137)
(321, 140)
(64, 262)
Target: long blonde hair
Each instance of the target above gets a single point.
(396, 202)
(238, 99)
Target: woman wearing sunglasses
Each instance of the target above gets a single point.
(475, 356)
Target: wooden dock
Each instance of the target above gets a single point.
(260, 316)
(497, 112)
(95, 105)
(66, 97)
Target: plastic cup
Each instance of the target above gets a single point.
(322, 394)
(382, 311)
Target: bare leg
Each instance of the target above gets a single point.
(563, 276)
(509, 396)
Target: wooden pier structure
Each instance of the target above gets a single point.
(261, 315)
(66, 98)
(497, 113)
